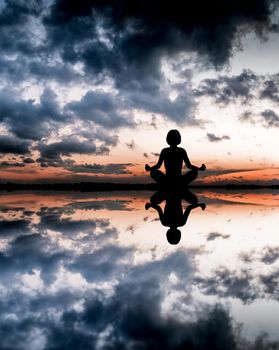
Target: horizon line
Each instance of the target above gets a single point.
(112, 186)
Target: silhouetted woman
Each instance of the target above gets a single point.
(173, 158)
(173, 215)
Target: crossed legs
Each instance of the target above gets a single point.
(163, 179)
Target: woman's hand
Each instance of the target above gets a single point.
(202, 168)
(147, 206)
(203, 206)
(147, 167)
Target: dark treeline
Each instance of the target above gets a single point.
(82, 186)
(103, 186)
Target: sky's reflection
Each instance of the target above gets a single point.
(96, 271)
(173, 215)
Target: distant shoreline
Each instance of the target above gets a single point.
(106, 187)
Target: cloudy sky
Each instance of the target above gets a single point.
(89, 89)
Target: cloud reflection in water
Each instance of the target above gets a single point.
(73, 277)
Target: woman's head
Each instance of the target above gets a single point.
(173, 137)
(173, 236)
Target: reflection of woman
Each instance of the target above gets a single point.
(173, 215)
(173, 158)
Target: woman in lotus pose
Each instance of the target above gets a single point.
(173, 214)
(173, 158)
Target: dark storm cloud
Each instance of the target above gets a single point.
(246, 284)
(20, 69)
(131, 145)
(13, 70)
(271, 254)
(127, 40)
(101, 169)
(115, 204)
(213, 235)
(246, 87)
(227, 89)
(11, 164)
(61, 72)
(9, 228)
(214, 138)
(270, 89)
(270, 118)
(267, 118)
(180, 109)
(15, 12)
(130, 319)
(52, 218)
(65, 148)
(102, 108)
(28, 160)
(270, 282)
(53, 221)
(138, 34)
(28, 252)
(102, 264)
(12, 144)
(116, 110)
(51, 153)
(247, 116)
(14, 19)
(227, 283)
(266, 280)
(139, 325)
(88, 232)
(25, 118)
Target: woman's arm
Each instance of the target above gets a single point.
(158, 165)
(157, 208)
(190, 208)
(188, 163)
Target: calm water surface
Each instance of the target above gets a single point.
(95, 271)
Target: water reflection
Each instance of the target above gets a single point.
(84, 271)
(173, 215)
